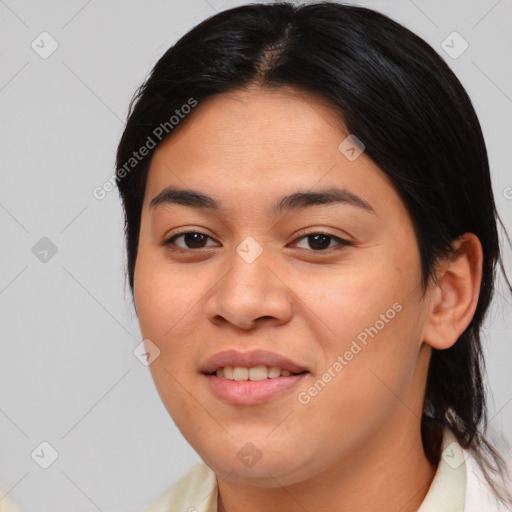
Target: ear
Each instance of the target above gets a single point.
(454, 294)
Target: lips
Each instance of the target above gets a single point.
(250, 359)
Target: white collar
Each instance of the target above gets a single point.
(448, 488)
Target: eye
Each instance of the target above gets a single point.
(192, 240)
(319, 242)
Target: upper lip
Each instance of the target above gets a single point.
(250, 359)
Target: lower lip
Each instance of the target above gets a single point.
(251, 392)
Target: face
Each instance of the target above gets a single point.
(333, 285)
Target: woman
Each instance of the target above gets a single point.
(311, 249)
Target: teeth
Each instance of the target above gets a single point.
(258, 373)
(239, 373)
(273, 372)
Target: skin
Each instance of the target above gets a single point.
(357, 444)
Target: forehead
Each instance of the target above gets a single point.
(256, 141)
(281, 124)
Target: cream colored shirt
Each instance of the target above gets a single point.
(458, 486)
(6, 503)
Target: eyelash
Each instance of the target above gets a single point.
(169, 243)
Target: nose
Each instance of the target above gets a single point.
(250, 293)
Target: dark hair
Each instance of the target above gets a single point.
(398, 96)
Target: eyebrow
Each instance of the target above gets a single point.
(296, 201)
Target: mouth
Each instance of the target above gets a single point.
(252, 377)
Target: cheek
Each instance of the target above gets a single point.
(363, 384)
(368, 315)
(360, 296)
(162, 296)
(167, 302)
(160, 305)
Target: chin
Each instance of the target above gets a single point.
(261, 467)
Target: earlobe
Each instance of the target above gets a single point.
(454, 296)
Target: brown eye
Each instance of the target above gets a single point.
(319, 242)
(192, 240)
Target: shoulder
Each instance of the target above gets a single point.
(479, 495)
(196, 491)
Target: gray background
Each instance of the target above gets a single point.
(68, 375)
